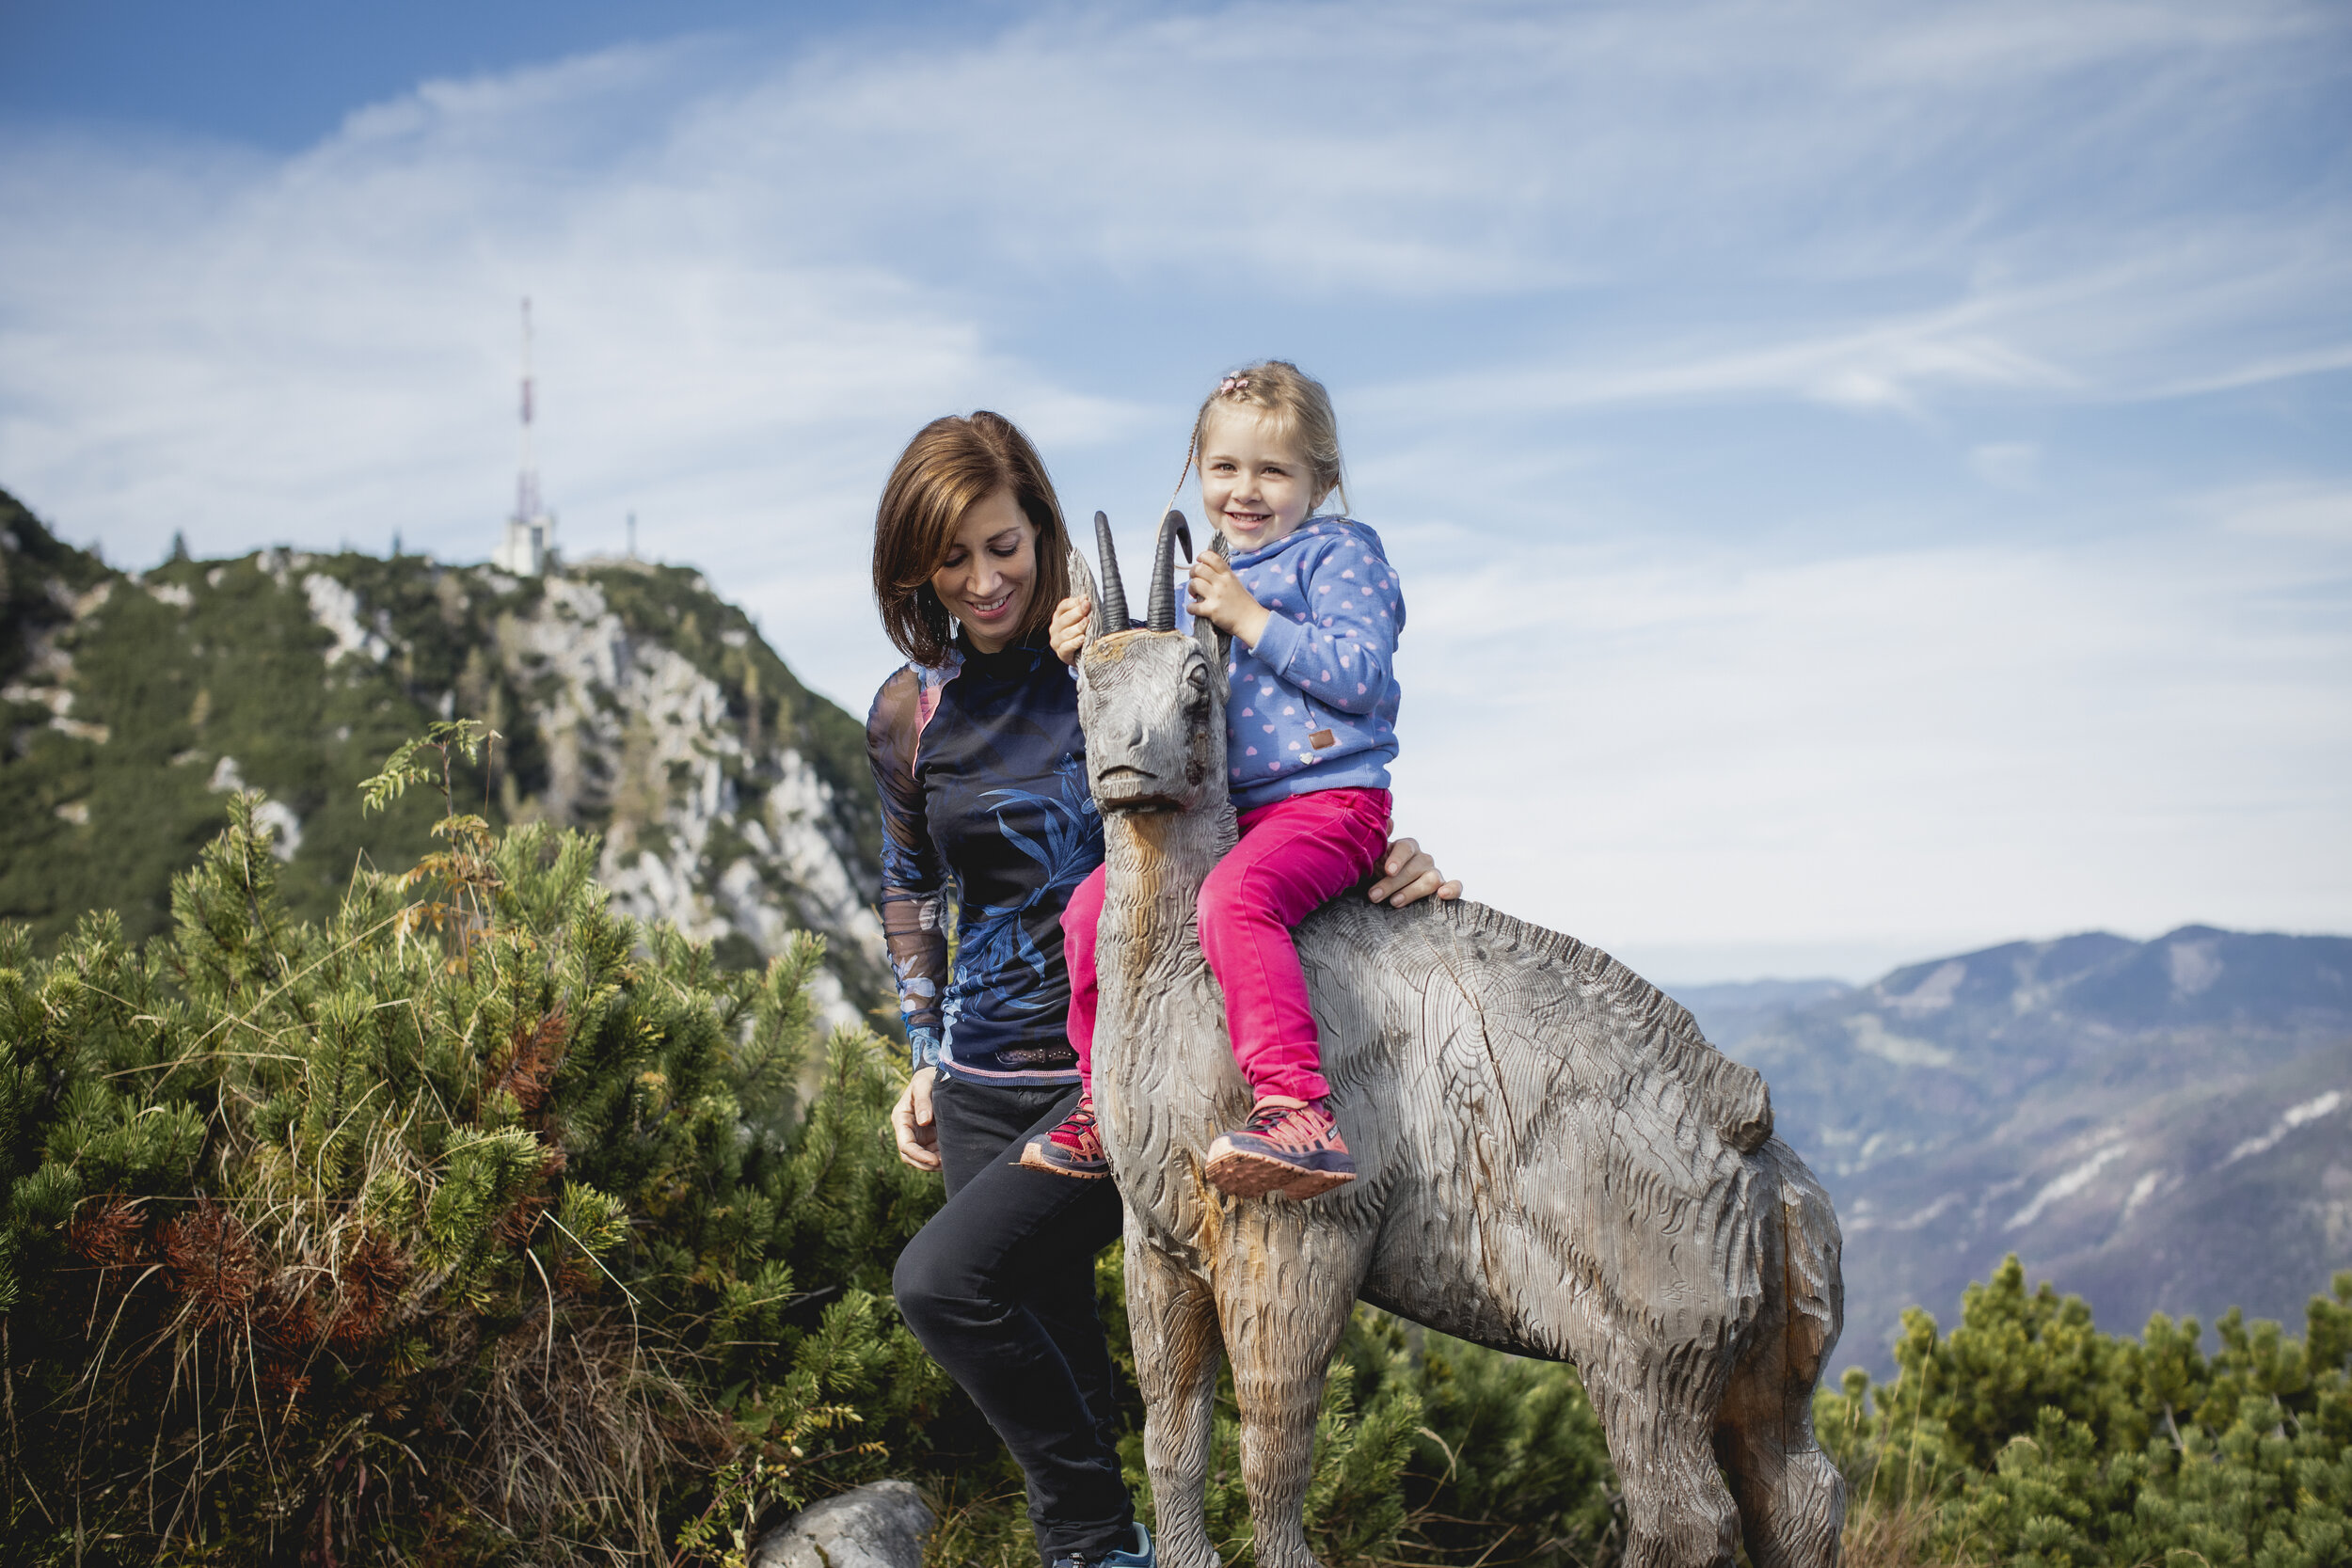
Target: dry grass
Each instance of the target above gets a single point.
(579, 1427)
(985, 1526)
(1898, 1536)
(221, 1335)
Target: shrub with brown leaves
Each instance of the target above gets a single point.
(366, 1244)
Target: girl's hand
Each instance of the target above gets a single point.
(1408, 876)
(1067, 632)
(911, 1121)
(1218, 595)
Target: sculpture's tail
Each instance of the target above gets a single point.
(1792, 1500)
(1814, 1277)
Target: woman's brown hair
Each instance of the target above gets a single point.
(952, 464)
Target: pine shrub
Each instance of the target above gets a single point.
(475, 1225)
(2027, 1436)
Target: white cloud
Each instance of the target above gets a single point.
(1890, 365)
(1658, 751)
(2318, 513)
(2010, 464)
(1643, 703)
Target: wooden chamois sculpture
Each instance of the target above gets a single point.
(1554, 1162)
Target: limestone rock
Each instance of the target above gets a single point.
(880, 1525)
(630, 699)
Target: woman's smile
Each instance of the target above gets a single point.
(988, 610)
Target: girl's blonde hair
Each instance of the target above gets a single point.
(1295, 405)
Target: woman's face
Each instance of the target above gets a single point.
(991, 571)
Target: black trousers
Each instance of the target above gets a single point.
(999, 1287)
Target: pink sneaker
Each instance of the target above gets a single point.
(1293, 1150)
(1073, 1149)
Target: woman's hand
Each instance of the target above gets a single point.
(1407, 875)
(911, 1121)
(1219, 596)
(1067, 632)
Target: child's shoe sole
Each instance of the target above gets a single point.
(1247, 1174)
(1044, 1154)
(1316, 1183)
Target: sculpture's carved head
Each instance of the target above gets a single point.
(1153, 701)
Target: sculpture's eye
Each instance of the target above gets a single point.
(1195, 686)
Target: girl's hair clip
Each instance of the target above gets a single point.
(1232, 384)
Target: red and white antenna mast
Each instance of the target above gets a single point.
(527, 479)
(530, 532)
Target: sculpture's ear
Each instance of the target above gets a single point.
(1082, 586)
(1216, 645)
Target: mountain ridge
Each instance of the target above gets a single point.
(2159, 1126)
(630, 700)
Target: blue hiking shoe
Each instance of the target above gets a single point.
(1144, 1555)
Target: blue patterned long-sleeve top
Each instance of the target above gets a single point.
(1313, 705)
(982, 771)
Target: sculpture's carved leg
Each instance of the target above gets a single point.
(1283, 1316)
(1172, 1318)
(1677, 1511)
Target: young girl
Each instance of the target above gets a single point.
(1314, 611)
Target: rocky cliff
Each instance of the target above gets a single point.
(630, 701)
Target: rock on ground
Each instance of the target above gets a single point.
(880, 1525)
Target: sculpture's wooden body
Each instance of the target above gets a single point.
(1554, 1162)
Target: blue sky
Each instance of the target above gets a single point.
(1868, 480)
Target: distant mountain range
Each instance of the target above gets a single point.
(2159, 1126)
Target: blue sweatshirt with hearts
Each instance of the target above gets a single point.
(1314, 704)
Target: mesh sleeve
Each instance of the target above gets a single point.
(913, 890)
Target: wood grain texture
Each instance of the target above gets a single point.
(1553, 1161)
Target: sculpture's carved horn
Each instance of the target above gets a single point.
(1214, 643)
(1173, 531)
(1082, 586)
(1110, 611)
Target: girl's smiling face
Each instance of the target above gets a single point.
(991, 571)
(1255, 486)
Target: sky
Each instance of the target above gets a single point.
(1869, 482)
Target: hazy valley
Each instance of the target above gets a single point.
(2160, 1125)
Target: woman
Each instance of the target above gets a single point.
(981, 765)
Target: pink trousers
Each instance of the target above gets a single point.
(1292, 855)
